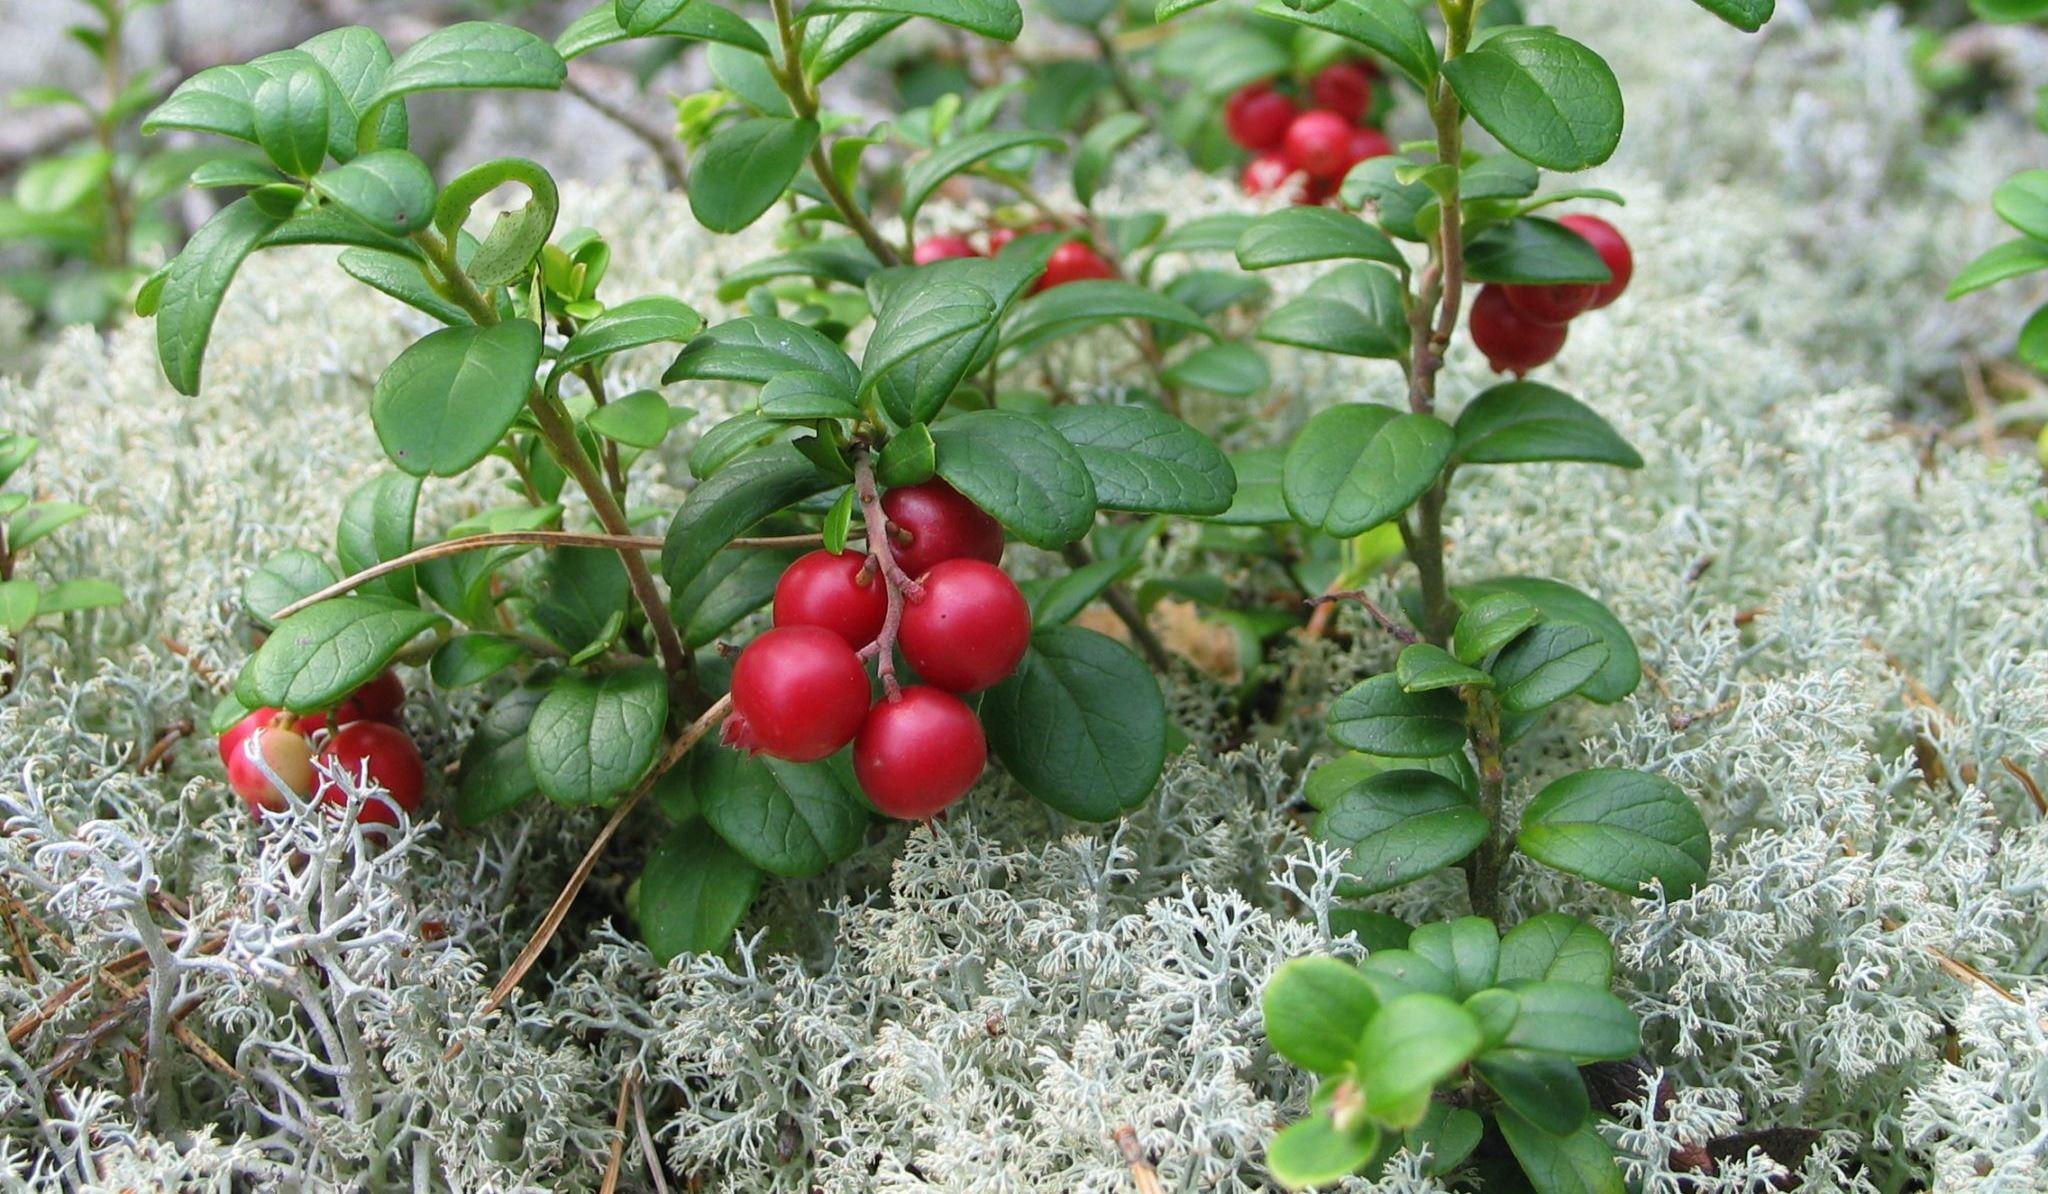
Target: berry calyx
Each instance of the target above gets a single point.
(798, 693)
(919, 753)
(1344, 88)
(1073, 262)
(969, 630)
(1319, 144)
(379, 754)
(1513, 343)
(1266, 172)
(941, 247)
(1257, 116)
(1613, 249)
(837, 592)
(940, 525)
(1552, 304)
(284, 752)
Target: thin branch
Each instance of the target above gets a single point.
(882, 558)
(1386, 620)
(611, 1169)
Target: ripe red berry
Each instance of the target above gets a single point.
(919, 753)
(1366, 144)
(382, 699)
(1319, 144)
(798, 693)
(969, 628)
(1257, 116)
(1552, 304)
(1344, 88)
(941, 247)
(1614, 250)
(999, 238)
(1513, 343)
(821, 589)
(1317, 191)
(1266, 172)
(1074, 262)
(375, 753)
(238, 733)
(942, 525)
(286, 753)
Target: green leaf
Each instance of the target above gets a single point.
(289, 116)
(2032, 347)
(745, 167)
(1294, 235)
(1532, 251)
(196, 282)
(2013, 259)
(1490, 623)
(1583, 1023)
(1203, 234)
(516, 236)
(1467, 949)
(1425, 667)
(1355, 466)
(1065, 596)
(1229, 368)
(1412, 1044)
(377, 525)
(1354, 310)
(449, 398)
(1080, 724)
(790, 819)
(2022, 201)
(1328, 782)
(909, 458)
(389, 189)
(19, 600)
(634, 324)
(215, 100)
(39, 520)
(400, 277)
(1580, 1163)
(1746, 15)
(1146, 460)
(1313, 1152)
(1525, 421)
(467, 56)
(69, 596)
(722, 509)
(733, 585)
(495, 776)
(1397, 972)
(757, 349)
(580, 596)
(694, 891)
(1543, 1087)
(1400, 826)
(1559, 602)
(594, 736)
(1542, 95)
(357, 60)
(1620, 829)
(839, 259)
(1077, 306)
(1498, 176)
(1556, 947)
(1021, 471)
(285, 579)
(930, 336)
(1316, 1010)
(1391, 28)
(318, 656)
(1377, 717)
(1000, 19)
(701, 20)
(1546, 664)
(924, 175)
(641, 419)
(642, 17)
(469, 659)
(1098, 148)
(831, 42)
(1448, 1135)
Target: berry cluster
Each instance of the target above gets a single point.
(1321, 144)
(1521, 327)
(928, 586)
(363, 736)
(1071, 262)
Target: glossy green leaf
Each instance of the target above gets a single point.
(1530, 250)
(758, 348)
(2013, 259)
(930, 336)
(1467, 949)
(1620, 829)
(1580, 1163)
(516, 236)
(1490, 623)
(1544, 1088)
(1021, 471)
(1146, 460)
(641, 17)
(831, 42)
(377, 525)
(733, 585)
(1295, 235)
(470, 659)
(1328, 782)
(1400, 826)
(1314, 1152)
(1229, 368)
(1559, 602)
(1545, 664)
(838, 259)
(1411, 1044)
(219, 99)
(700, 20)
(1000, 19)
(807, 394)
(790, 819)
(1077, 306)
(1080, 724)
(449, 398)
(694, 891)
(284, 579)
(357, 59)
(1098, 149)
(633, 324)
(641, 419)
(19, 601)
(1526, 421)
(389, 189)
(1556, 947)
(1390, 28)
(289, 116)
(494, 776)
(2022, 201)
(595, 735)
(745, 167)
(924, 175)
(1747, 15)
(1066, 595)
(465, 56)
(1424, 667)
(1355, 466)
(318, 656)
(1544, 96)
(39, 520)
(723, 508)
(1316, 1010)
(1377, 717)
(2032, 347)
(580, 596)
(1354, 310)
(71, 596)
(400, 277)
(1447, 1134)
(1581, 1022)
(196, 282)
(1397, 972)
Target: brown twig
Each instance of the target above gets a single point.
(882, 558)
(1143, 1175)
(162, 748)
(611, 1169)
(1386, 620)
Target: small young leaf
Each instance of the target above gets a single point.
(745, 167)
(1424, 667)
(1544, 1087)
(1400, 826)
(1620, 829)
(1467, 949)
(1313, 1152)
(1580, 1163)
(1316, 1010)
(633, 324)
(1542, 95)
(1546, 664)
(789, 819)
(1525, 421)
(449, 398)
(1556, 947)
(318, 656)
(70, 596)
(594, 736)
(1410, 1045)
(19, 600)
(1490, 623)
(2013, 259)
(1295, 235)
(2022, 201)
(1021, 471)
(1080, 724)
(909, 458)
(695, 890)
(1559, 602)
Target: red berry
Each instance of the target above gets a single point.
(999, 239)
(1266, 172)
(1614, 250)
(1257, 116)
(969, 628)
(919, 753)
(1317, 191)
(1074, 262)
(287, 754)
(382, 699)
(1366, 144)
(239, 732)
(941, 247)
(1551, 304)
(798, 693)
(375, 753)
(942, 525)
(1512, 342)
(1344, 88)
(1319, 144)
(821, 589)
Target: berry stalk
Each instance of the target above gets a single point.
(882, 557)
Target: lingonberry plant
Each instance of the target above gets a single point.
(25, 522)
(868, 495)
(1457, 1040)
